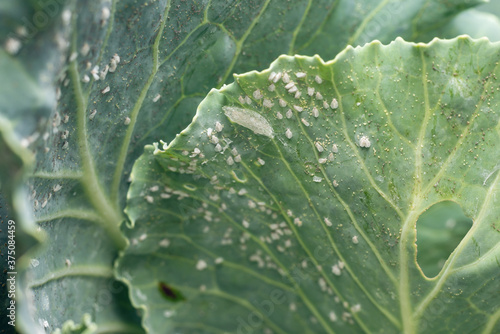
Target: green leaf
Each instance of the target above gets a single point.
(16, 207)
(472, 22)
(25, 104)
(27, 100)
(492, 7)
(29, 62)
(272, 213)
(26, 95)
(171, 54)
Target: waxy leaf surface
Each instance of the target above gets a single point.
(289, 204)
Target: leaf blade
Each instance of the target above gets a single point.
(366, 230)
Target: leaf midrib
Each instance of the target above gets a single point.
(298, 27)
(89, 180)
(417, 198)
(382, 309)
(266, 249)
(334, 246)
(120, 165)
(83, 270)
(230, 264)
(447, 270)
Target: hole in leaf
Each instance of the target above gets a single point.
(170, 293)
(439, 231)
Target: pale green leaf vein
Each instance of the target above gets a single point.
(75, 213)
(120, 163)
(297, 235)
(91, 271)
(365, 22)
(291, 49)
(240, 42)
(448, 267)
(232, 264)
(356, 225)
(90, 181)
